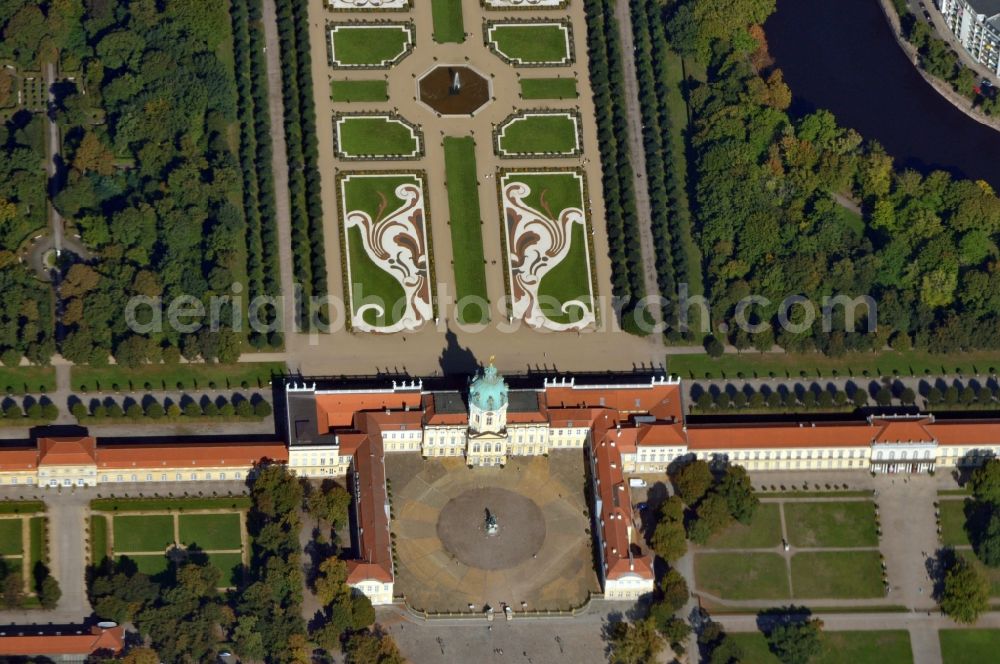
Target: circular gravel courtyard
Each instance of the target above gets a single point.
(462, 528)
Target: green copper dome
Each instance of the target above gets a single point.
(488, 390)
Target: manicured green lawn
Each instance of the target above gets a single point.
(448, 24)
(160, 504)
(815, 365)
(356, 91)
(21, 506)
(466, 227)
(831, 524)
(837, 575)
(376, 136)
(98, 538)
(226, 564)
(969, 646)
(22, 380)
(532, 44)
(764, 531)
(370, 282)
(151, 564)
(211, 531)
(147, 532)
(548, 88)
(888, 647)
(568, 282)
(374, 46)
(176, 376)
(742, 575)
(536, 134)
(11, 542)
(953, 523)
(36, 550)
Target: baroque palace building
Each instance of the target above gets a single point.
(624, 424)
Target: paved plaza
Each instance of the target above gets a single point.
(541, 554)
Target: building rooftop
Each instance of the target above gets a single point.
(17, 641)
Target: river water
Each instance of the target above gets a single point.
(842, 55)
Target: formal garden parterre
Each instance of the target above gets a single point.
(369, 45)
(832, 553)
(547, 242)
(387, 249)
(153, 532)
(376, 136)
(539, 134)
(531, 43)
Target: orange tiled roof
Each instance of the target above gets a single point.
(965, 433)
(191, 455)
(616, 510)
(64, 644)
(662, 401)
(18, 458)
(66, 451)
(374, 543)
(338, 410)
(902, 431)
(770, 436)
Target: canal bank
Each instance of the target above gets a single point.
(845, 57)
(943, 87)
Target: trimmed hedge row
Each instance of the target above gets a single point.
(303, 154)
(608, 85)
(256, 407)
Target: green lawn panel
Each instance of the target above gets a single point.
(831, 524)
(953, 523)
(558, 191)
(371, 281)
(837, 575)
(742, 575)
(540, 133)
(376, 136)
(98, 538)
(211, 531)
(180, 504)
(449, 27)
(763, 532)
(146, 532)
(969, 646)
(568, 281)
(876, 647)
(359, 91)
(21, 506)
(368, 46)
(466, 227)
(36, 549)
(532, 44)
(11, 543)
(152, 564)
(227, 564)
(368, 194)
(18, 380)
(549, 88)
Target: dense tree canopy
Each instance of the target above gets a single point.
(800, 206)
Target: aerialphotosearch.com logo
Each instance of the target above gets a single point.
(264, 314)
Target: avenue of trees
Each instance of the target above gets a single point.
(773, 197)
(303, 153)
(665, 161)
(608, 84)
(263, 274)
